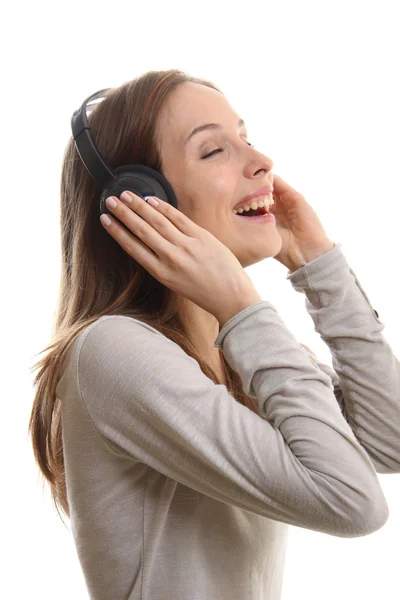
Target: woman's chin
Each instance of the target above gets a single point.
(251, 255)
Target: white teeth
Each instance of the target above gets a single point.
(268, 201)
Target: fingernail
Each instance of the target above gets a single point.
(152, 201)
(126, 197)
(110, 203)
(105, 219)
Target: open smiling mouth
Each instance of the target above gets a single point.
(259, 214)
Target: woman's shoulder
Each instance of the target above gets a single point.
(113, 330)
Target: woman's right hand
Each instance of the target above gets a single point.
(183, 256)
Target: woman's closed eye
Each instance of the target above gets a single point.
(221, 150)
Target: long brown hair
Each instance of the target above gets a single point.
(97, 276)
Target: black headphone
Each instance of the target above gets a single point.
(139, 179)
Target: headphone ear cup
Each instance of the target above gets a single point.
(139, 179)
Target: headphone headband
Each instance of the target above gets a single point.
(85, 144)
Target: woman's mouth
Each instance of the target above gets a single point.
(257, 210)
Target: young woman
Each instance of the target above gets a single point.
(180, 424)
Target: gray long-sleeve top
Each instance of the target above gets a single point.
(177, 491)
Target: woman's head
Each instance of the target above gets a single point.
(144, 121)
(208, 187)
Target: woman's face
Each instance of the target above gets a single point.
(207, 189)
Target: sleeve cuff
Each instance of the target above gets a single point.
(240, 316)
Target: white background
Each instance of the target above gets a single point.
(317, 84)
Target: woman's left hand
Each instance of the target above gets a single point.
(301, 231)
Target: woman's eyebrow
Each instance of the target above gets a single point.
(209, 126)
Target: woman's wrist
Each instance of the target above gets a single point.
(234, 306)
